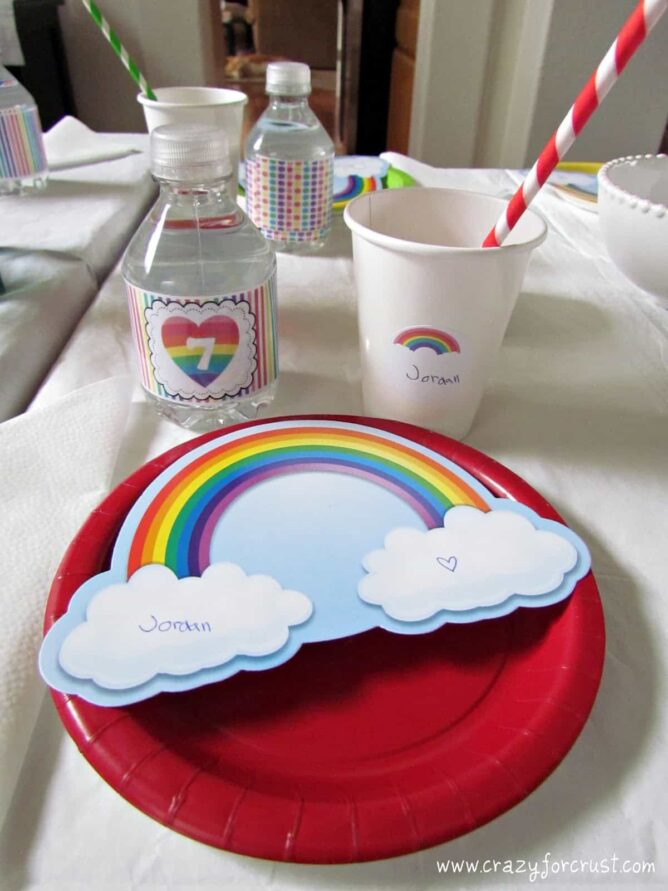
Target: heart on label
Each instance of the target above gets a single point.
(449, 563)
(202, 351)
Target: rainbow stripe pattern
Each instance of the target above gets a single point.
(290, 200)
(21, 144)
(177, 526)
(180, 337)
(431, 338)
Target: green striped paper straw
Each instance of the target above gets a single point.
(118, 48)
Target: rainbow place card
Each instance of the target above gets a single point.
(355, 175)
(289, 532)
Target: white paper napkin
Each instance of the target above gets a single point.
(69, 143)
(496, 182)
(56, 464)
(423, 174)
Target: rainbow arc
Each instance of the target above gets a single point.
(178, 526)
(430, 338)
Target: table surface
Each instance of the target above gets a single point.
(56, 247)
(577, 407)
(87, 212)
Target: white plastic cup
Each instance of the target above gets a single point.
(200, 105)
(433, 306)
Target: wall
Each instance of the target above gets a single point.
(633, 117)
(173, 42)
(518, 37)
(494, 79)
(450, 70)
(402, 76)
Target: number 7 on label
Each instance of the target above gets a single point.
(206, 344)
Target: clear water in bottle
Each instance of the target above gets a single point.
(23, 165)
(289, 161)
(201, 287)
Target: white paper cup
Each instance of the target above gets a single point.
(200, 105)
(433, 306)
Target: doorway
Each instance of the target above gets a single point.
(348, 45)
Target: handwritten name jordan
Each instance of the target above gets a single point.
(180, 625)
(414, 374)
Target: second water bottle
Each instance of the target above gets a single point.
(289, 162)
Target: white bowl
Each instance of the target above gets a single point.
(633, 213)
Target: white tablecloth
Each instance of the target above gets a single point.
(87, 212)
(56, 246)
(577, 406)
(45, 297)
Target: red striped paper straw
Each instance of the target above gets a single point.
(636, 28)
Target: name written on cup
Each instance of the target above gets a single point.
(414, 374)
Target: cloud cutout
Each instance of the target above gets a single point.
(165, 625)
(477, 560)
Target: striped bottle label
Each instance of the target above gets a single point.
(290, 200)
(205, 350)
(21, 145)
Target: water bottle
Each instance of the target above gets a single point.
(201, 287)
(23, 166)
(289, 161)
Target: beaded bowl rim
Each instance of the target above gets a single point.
(631, 199)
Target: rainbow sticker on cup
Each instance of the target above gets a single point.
(440, 342)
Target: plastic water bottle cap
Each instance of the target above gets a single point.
(190, 153)
(288, 79)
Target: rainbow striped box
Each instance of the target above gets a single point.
(23, 161)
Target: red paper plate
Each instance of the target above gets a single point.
(356, 749)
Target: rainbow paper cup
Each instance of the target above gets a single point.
(433, 306)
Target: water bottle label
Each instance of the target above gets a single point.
(206, 349)
(290, 200)
(21, 144)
